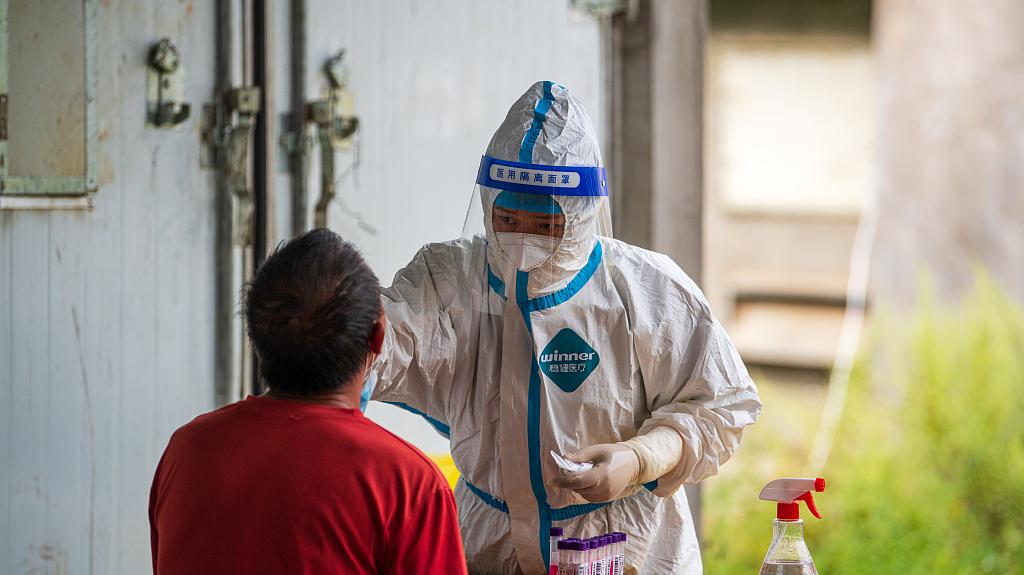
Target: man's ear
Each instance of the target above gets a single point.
(377, 336)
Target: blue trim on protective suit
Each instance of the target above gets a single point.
(486, 497)
(559, 514)
(442, 428)
(533, 424)
(573, 511)
(540, 112)
(577, 283)
(495, 283)
(526, 306)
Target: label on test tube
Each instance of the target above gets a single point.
(604, 564)
(562, 567)
(620, 555)
(583, 561)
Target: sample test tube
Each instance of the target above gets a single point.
(554, 534)
(620, 554)
(609, 557)
(609, 553)
(581, 550)
(562, 563)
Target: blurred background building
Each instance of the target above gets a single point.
(789, 106)
(151, 153)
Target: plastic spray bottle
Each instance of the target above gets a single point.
(788, 553)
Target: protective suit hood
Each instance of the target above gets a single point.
(547, 126)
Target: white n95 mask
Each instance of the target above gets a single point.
(527, 251)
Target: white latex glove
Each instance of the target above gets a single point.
(620, 466)
(616, 468)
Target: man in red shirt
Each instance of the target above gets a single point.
(297, 481)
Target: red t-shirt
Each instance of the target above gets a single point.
(274, 486)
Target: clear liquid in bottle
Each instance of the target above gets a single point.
(788, 554)
(788, 568)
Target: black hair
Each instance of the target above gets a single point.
(309, 312)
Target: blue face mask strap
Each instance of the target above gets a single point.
(369, 384)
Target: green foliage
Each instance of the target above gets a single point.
(927, 471)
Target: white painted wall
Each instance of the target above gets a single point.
(106, 333)
(432, 80)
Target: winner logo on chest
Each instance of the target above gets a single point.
(567, 360)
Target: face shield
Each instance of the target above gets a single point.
(536, 217)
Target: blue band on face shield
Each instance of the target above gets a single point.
(541, 179)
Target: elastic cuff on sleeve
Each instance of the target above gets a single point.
(659, 452)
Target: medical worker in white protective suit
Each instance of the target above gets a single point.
(544, 334)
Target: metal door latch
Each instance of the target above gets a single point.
(165, 86)
(244, 105)
(227, 133)
(336, 124)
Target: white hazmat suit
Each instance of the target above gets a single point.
(599, 343)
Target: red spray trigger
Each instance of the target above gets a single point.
(809, 500)
(788, 491)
